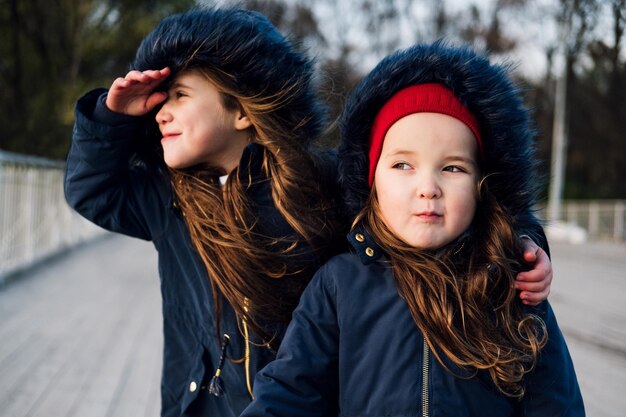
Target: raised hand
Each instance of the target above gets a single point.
(134, 94)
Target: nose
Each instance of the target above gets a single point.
(428, 187)
(163, 115)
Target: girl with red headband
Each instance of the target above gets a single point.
(422, 317)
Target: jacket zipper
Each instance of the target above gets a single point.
(425, 372)
(246, 336)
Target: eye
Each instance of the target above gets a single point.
(179, 94)
(454, 168)
(401, 166)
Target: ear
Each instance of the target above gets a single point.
(242, 122)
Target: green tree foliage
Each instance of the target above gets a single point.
(50, 52)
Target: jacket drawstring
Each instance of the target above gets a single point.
(216, 387)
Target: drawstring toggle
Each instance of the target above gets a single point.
(216, 387)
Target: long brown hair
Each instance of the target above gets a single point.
(259, 274)
(463, 298)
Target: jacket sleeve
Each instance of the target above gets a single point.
(101, 183)
(552, 387)
(529, 225)
(303, 379)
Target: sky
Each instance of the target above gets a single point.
(533, 27)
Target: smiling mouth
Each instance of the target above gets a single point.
(170, 136)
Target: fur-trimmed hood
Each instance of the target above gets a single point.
(485, 89)
(245, 45)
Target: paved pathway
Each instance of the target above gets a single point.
(81, 336)
(588, 296)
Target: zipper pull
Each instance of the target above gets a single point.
(216, 387)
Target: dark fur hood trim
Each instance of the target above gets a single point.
(246, 44)
(484, 88)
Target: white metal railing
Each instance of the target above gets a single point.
(35, 220)
(601, 219)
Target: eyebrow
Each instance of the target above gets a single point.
(178, 84)
(461, 158)
(405, 152)
(399, 152)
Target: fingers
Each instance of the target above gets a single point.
(530, 250)
(155, 99)
(534, 285)
(148, 76)
(134, 93)
(139, 82)
(534, 298)
(541, 269)
(120, 83)
(116, 100)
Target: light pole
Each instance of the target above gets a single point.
(559, 129)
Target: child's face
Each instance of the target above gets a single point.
(197, 128)
(426, 179)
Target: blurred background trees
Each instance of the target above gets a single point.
(52, 52)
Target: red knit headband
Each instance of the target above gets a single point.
(421, 98)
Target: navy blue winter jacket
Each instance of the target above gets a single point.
(136, 200)
(353, 349)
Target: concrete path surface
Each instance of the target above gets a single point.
(81, 335)
(589, 299)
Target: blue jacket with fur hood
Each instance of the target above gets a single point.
(116, 178)
(353, 347)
